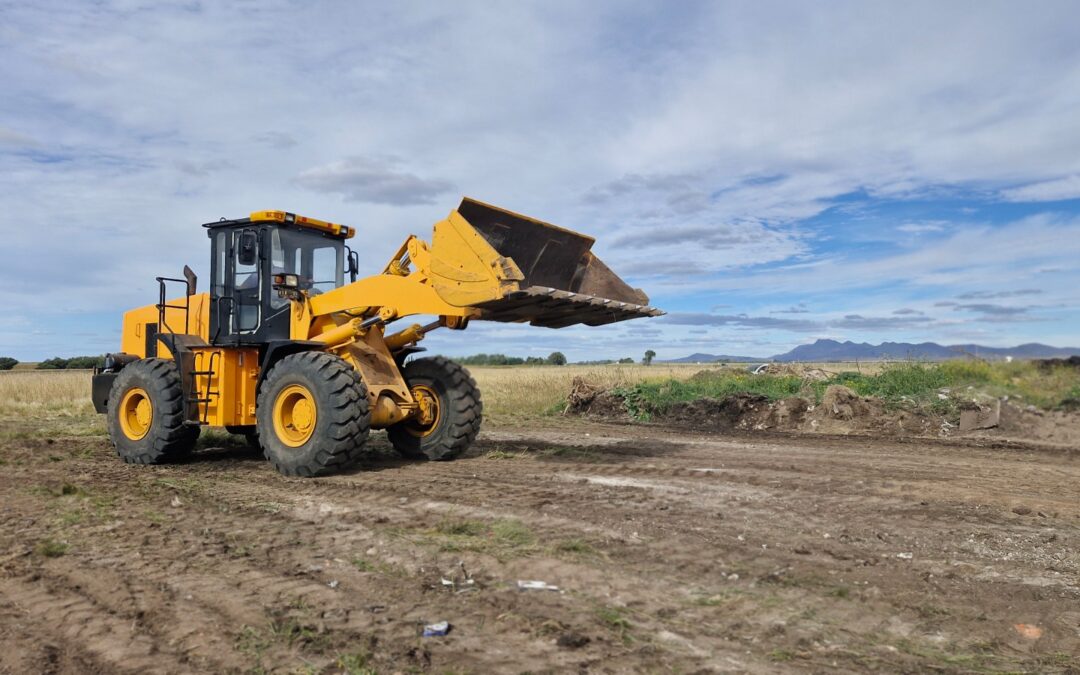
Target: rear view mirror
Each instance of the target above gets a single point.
(248, 249)
(354, 264)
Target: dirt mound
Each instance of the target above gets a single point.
(794, 370)
(592, 400)
(1060, 427)
(1050, 364)
(738, 411)
(842, 411)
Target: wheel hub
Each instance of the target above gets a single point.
(295, 415)
(427, 413)
(136, 413)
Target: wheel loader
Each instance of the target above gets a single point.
(285, 351)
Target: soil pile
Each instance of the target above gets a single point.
(841, 411)
(1057, 427)
(1050, 364)
(795, 370)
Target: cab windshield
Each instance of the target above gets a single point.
(319, 262)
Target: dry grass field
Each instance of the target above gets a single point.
(509, 391)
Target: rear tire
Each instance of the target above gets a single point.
(312, 413)
(146, 414)
(459, 411)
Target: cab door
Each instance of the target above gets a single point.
(239, 288)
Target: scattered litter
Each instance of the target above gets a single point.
(733, 577)
(176, 503)
(458, 580)
(905, 556)
(333, 583)
(436, 629)
(1030, 631)
(535, 586)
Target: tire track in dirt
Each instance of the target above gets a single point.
(701, 513)
(112, 643)
(255, 587)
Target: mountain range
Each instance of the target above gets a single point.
(832, 350)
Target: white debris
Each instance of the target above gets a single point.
(535, 586)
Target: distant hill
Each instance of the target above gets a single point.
(714, 358)
(832, 350)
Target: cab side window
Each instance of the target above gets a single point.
(246, 284)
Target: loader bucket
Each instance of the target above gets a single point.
(564, 283)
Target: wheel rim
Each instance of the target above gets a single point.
(295, 415)
(136, 413)
(429, 414)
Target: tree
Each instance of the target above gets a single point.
(649, 356)
(85, 362)
(55, 363)
(556, 359)
(626, 360)
(7, 363)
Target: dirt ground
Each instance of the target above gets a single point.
(672, 552)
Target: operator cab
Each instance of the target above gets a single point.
(247, 254)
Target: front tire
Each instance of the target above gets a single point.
(146, 414)
(450, 427)
(312, 414)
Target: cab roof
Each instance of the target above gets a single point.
(286, 218)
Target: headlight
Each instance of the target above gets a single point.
(286, 280)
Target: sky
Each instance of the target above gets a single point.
(769, 173)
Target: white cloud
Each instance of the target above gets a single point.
(693, 140)
(1046, 191)
(375, 181)
(921, 228)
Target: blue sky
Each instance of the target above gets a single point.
(770, 173)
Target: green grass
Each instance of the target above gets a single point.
(575, 546)
(501, 538)
(499, 453)
(219, 438)
(646, 398)
(356, 664)
(51, 548)
(614, 618)
(781, 655)
(383, 568)
(901, 384)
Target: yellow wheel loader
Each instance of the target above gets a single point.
(285, 351)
